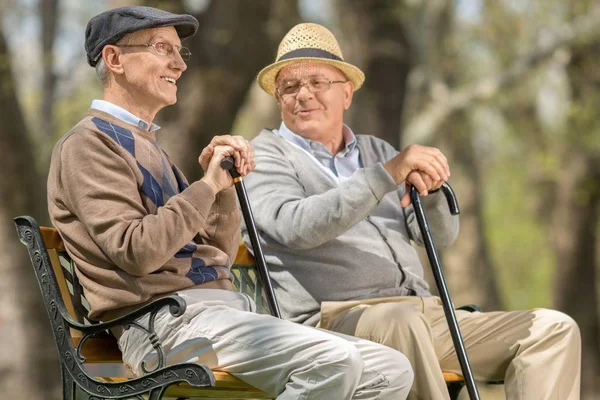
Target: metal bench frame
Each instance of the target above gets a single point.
(190, 380)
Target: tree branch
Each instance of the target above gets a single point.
(423, 126)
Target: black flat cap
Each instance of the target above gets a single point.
(110, 26)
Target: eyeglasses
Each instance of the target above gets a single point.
(163, 49)
(314, 85)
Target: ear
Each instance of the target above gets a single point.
(348, 93)
(112, 58)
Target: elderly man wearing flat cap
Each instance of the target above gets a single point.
(336, 225)
(137, 230)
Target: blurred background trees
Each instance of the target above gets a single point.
(508, 89)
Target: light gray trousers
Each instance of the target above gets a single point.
(221, 330)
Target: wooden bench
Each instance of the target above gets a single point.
(89, 356)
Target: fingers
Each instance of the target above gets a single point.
(434, 163)
(205, 157)
(220, 152)
(427, 180)
(238, 160)
(429, 160)
(422, 182)
(436, 185)
(244, 153)
(416, 179)
(430, 183)
(405, 200)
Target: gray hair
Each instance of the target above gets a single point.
(101, 71)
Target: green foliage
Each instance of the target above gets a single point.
(519, 243)
(71, 108)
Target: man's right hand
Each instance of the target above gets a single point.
(427, 160)
(220, 147)
(243, 155)
(215, 176)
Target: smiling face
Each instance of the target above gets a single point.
(151, 76)
(316, 116)
(146, 81)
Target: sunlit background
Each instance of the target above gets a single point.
(508, 89)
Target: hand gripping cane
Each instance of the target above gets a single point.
(440, 281)
(229, 165)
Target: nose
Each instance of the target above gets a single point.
(178, 62)
(304, 93)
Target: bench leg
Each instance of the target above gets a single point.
(454, 389)
(68, 385)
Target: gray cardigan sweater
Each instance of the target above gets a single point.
(330, 241)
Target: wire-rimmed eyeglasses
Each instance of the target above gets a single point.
(314, 85)
(163, 49)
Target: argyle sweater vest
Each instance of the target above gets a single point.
(129, 219)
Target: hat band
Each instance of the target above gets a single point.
(309, 52)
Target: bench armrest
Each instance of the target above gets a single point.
(470, 308)
(176, 308)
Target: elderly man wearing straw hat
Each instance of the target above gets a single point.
(336, 225)
(137, 230)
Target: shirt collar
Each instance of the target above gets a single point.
(309, 145)
(122, 114)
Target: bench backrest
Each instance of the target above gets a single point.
(245, 278)
(64, 270)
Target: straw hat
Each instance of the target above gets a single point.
(308, 42)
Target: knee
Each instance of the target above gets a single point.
(400, 373)
(394, 370)
(345, 358)
(556, 323)
(388, 319)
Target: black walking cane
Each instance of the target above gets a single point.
(440, 281)
(229, 165)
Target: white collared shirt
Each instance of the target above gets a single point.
(122, 114)
(342, 165)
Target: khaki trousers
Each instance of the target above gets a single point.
(537, 352)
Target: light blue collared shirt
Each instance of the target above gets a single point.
(122, 114)
(342, 165)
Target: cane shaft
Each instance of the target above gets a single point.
(261, 264)
(440, 281)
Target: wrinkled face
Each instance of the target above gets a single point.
(316, 110)
(151, 78)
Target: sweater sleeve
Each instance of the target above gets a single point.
(298, 220)
(101, 187)
(222, 227)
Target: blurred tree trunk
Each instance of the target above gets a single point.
(376, 40)
(470, 269)
(576, 214)
(574, 235)
(49, 21)
(235, 40)
(28, 361)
